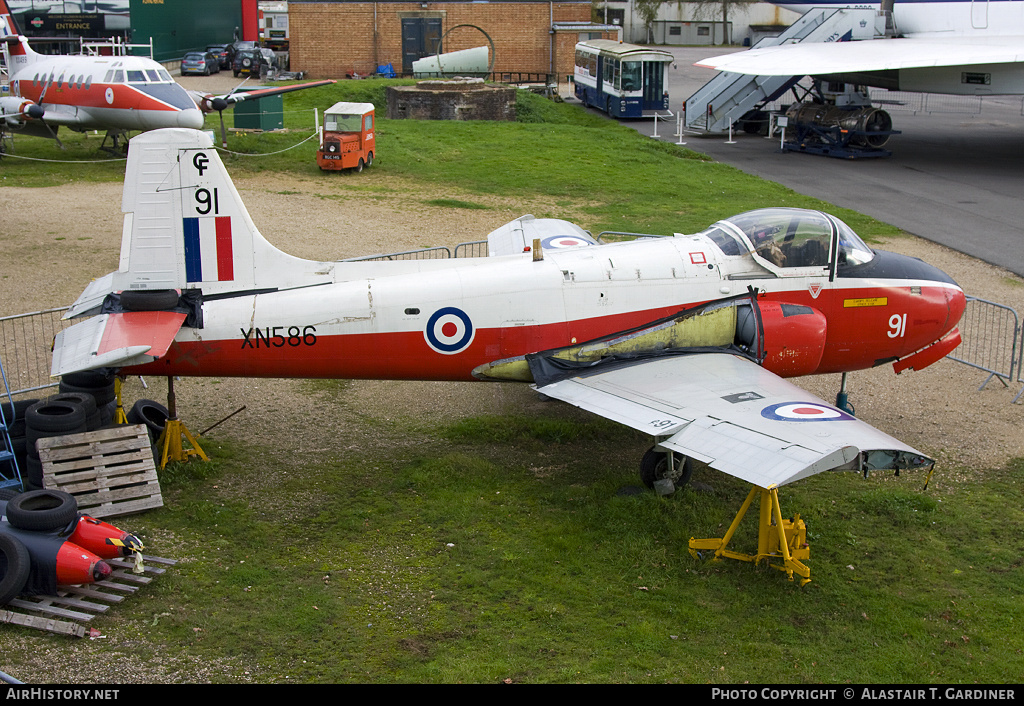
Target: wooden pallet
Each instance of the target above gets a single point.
(110, 472)
(69, 612)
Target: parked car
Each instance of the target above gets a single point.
(221, 52)
(199, 62)
(252, 62)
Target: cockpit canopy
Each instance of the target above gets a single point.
(790, 237)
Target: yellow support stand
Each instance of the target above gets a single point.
(119, 416)
(169, 443)
(776, 539)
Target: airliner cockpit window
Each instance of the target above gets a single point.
(135, 76)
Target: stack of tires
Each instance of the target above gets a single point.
(35, 511)
(98, 384)
(86, 402)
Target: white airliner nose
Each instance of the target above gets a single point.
(191, 119)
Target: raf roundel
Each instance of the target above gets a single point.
(803, 412)
(449, 330)
(563, 241)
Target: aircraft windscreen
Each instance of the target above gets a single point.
(787, 237)
(852, 250)
(726, 242)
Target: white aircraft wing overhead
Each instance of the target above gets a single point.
(727, 411)
(517, 236)
(819, 59)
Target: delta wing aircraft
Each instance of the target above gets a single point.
(119, 94)
(962, 47)
(688, 338)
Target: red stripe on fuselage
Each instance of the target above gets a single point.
(858, 337)
(125, 96)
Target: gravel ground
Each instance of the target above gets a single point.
(56, 239)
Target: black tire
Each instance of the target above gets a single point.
(61, 416)
(8, 493)
(369, 159)
(16, 411)
(15, 564)
(149, 300)
(42, 510)
(359, 167)
(654, 467)
(153, 414)
(88, 402)
(89, 379)
(98, 383)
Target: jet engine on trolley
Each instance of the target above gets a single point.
(865, 126)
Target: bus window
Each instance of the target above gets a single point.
(630, 75)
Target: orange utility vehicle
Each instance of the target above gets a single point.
(347, 139)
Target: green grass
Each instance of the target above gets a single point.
(502, 551)
(624, 181)
(515, 547)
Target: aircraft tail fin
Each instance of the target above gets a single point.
(185, 226)
(8, 26)
(15, 45)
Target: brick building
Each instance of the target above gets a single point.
(332, 39)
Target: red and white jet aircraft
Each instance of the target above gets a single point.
(687, 338)
(118, 94)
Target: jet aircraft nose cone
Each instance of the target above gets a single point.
(957, 301)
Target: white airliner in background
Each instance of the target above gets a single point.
(958, 47)
(119, 94)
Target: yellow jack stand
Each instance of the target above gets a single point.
(777, 538)
(169, 443)
(119, 416)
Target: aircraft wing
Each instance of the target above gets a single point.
(115, 340)
(517, 236)
(208, 103)
(725, 410)
(820, 59)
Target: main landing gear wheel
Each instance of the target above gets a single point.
(654, 467)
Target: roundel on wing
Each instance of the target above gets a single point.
(563, 241)
(449, 330)
(803, 412)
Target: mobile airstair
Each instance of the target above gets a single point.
(10, 475)
(728, 97)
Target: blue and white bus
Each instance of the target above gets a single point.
(624, 80)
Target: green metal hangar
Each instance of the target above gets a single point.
(335, 39)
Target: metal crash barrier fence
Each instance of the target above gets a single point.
(991, 336)
(26, 342)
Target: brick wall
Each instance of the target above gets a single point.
(332, 39)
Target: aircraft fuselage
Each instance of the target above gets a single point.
(441, 319)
